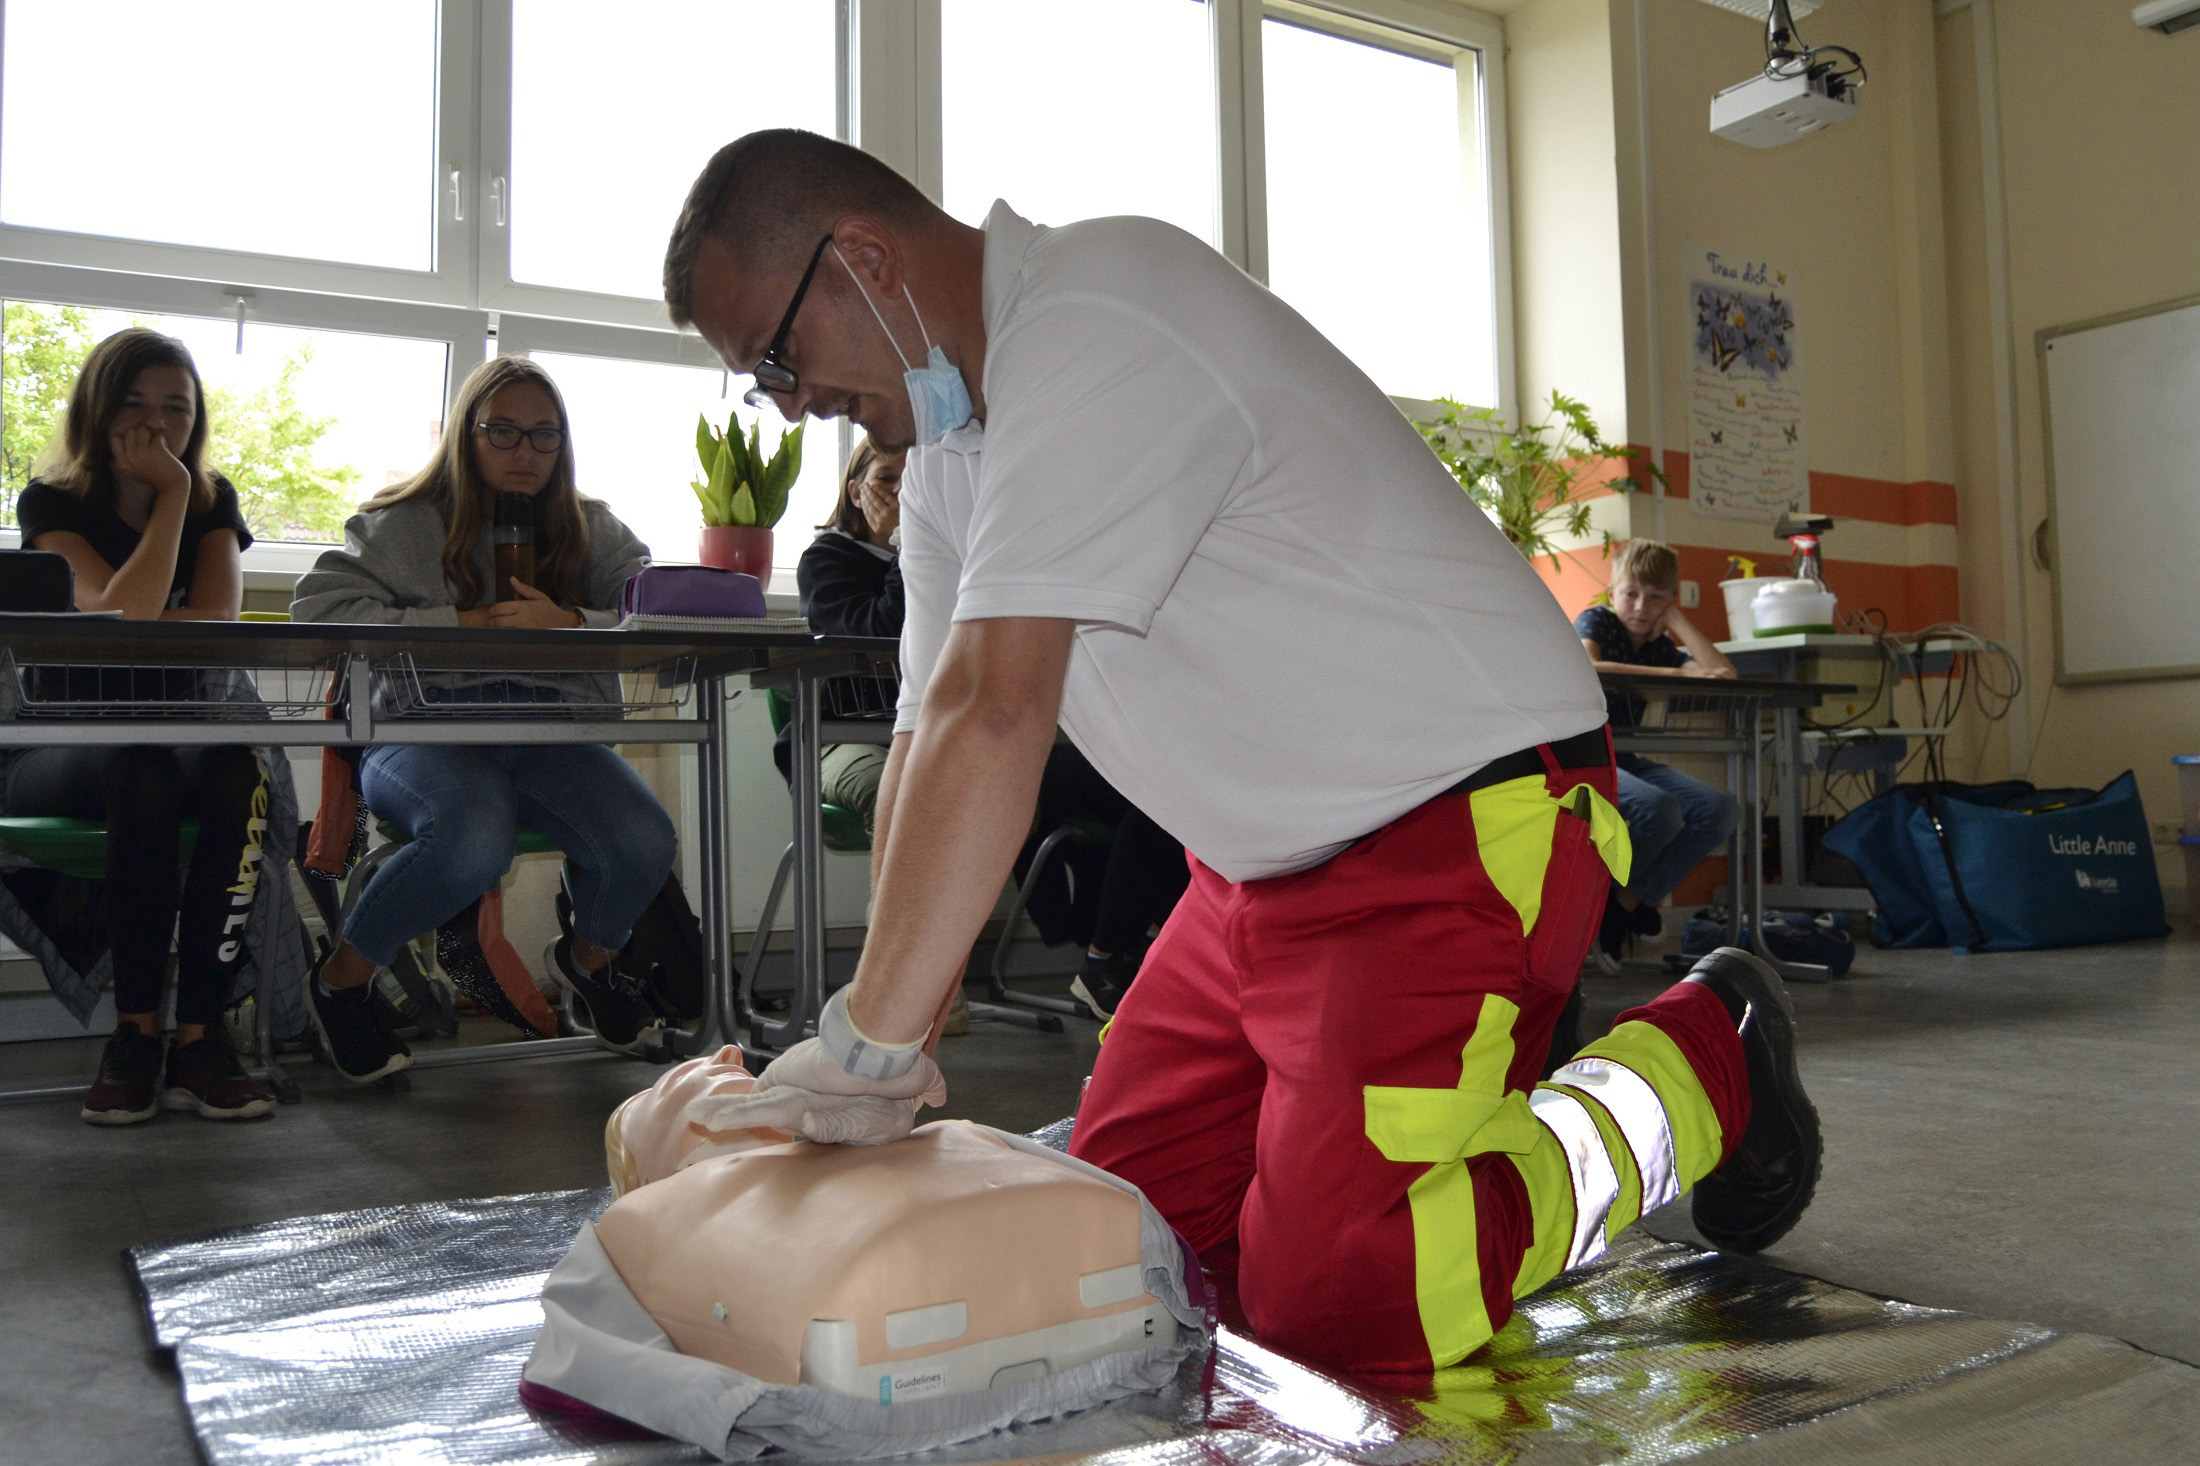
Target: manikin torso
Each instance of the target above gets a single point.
(736, 1243)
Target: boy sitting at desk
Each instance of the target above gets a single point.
(1673, 820)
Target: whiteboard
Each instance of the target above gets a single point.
(2122, 402)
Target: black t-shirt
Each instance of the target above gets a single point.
(1601, 624)
(43, 509)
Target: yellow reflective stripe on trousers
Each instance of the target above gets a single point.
(1441, 1127)
(1514, 825)
(1691, 1123)
(1634, 1106)
(1595, 1182)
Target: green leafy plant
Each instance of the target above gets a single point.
(1535, 480)
(739, 486)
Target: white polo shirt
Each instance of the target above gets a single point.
(1292, 625)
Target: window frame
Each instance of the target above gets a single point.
(888, 101)
(449, 280)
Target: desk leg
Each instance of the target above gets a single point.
(1792, 971)
(711, 869)
(1736, 846)
(809, 872)
(1787, 774)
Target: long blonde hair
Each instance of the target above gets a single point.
(81, 458)
(456, 487)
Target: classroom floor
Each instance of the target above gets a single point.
(2013, 1135)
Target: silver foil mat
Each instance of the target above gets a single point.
(397, 1334)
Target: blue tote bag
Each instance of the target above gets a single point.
(2045, 868)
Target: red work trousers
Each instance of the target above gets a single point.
(1235, 1085)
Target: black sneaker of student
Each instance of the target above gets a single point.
(1566, 1039)
(621, 1016)
(127, 1091)
(352, 1039)
(1101, 982)
(1616, 928)
(1764, 1187)
(206, 1076)
(1646, 921)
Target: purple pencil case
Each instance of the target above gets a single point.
(692, 590)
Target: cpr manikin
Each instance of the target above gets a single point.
(747, 1290)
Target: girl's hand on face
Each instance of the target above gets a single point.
(142, 453)
(534, 609)
(881, 510)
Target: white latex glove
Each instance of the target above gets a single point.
(839, 1088)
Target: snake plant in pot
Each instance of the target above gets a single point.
(743, 493)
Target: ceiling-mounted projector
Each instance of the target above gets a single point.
(2167, 16)
(1802, 89)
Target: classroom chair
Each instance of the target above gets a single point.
(78, 849)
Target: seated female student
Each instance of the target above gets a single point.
(420, 554)
(849, 581)
(1673, 821)
(150, 531)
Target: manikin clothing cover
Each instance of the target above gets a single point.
(746, 1292)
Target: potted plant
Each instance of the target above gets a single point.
(743, 494)
(1535, 481)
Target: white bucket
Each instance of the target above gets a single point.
(1739, 593)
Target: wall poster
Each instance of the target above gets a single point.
(1745, 389)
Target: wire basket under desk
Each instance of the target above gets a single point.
(405, 689)
(213, 694)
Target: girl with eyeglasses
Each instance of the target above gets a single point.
(151, 532)
(422, 553)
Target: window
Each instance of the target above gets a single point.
(611, 122)
(634, 448)
(347, 175)
(1076, 111)
(378, 191)
(1370, 234)
(305, 423)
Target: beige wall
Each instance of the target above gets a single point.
(1568, 309)
(1852, 213)
(2100, 127)
(1883, 223)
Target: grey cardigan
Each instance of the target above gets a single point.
(390, 573)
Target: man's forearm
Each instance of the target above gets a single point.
(959, 804)
(882, 812)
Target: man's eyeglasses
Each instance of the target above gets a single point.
(772, 374)
(504, 435)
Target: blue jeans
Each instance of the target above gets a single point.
(1673, 821)
(462, 807)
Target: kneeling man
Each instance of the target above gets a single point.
(1151, 505)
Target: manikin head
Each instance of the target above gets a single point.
(649, 1136)
(776, 208)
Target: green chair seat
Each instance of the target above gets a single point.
(844, 830)
(75, 848)
(531, 841)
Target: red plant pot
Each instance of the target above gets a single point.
(741, 547)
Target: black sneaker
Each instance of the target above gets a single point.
(1763, 1188)
(206, 1076)
(1616, 928)
(618, 1012)
(127, 1091)
(352, 1038)
(1101, 983)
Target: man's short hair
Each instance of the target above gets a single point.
(774, 194)
(1647, 562)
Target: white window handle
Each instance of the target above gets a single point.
(458, 196)
(500, 191)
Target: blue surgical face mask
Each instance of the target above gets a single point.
(939, 401)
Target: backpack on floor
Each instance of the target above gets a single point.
(1793, 936)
